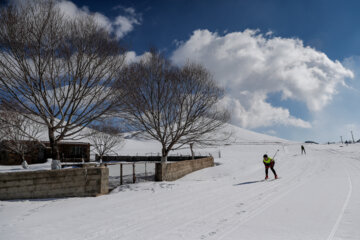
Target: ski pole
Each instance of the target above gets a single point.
(275, 154)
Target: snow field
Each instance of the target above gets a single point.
(316, 197)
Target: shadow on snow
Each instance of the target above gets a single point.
(249, 182)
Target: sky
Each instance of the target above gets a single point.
(289, 68)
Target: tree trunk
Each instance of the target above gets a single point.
(164, 155)
(24, 164)
(192, 151)
(163, 159)
(55, 155)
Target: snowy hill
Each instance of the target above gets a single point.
(241, 135)
(137, 146)
(238, 136)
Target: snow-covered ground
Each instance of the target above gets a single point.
(316, 197)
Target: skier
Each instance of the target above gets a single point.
(302, 150)
(269, 163)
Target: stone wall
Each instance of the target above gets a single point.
(175, 170)
(75, 182)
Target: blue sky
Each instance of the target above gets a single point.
(290, 68)
(329, 26)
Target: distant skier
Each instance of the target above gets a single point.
(303, 150)
(269, 163)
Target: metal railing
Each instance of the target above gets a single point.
(121, 173)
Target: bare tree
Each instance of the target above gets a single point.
(59, 70)
(20, 135)
(173, 105)
(104, 137)
(224, 136)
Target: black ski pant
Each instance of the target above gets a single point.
(271, 166)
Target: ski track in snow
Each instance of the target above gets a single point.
(334, 229)
(224, 202)
(254, 205)
(347, 216)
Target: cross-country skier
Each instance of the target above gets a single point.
(303, 150)
(269, 163)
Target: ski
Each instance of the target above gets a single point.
(269, 180)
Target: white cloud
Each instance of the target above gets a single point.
(250, 66)
(353, 63)
(124, 25)
(70, 10)
(132, 57)
(120, 25)
(250, 110)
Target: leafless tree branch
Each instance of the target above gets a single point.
(19, 135)
(173, 105)
(57, 71)
(104, 137)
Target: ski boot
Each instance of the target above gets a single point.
(266, 178)
(276, 177)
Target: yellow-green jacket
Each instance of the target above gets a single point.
(268, 160)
